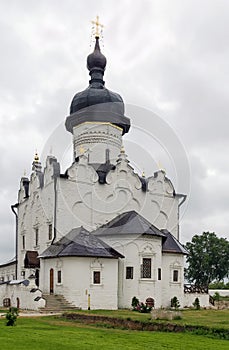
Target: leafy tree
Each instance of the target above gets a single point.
(208, 259)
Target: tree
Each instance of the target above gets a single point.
(208, 259)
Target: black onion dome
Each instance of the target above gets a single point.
(87, 104)
(96, 58)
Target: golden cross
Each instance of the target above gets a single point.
(97, 25)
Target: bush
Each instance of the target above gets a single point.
(216, 296)
(135, 302)
(175, 303)
(196, 304)
(11, 316)
(139, 306)
(219, 285)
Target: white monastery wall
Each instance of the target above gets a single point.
(189, 299)
(77, 281)
(21, 296)
(171, 287)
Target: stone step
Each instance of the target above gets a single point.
(57, 302)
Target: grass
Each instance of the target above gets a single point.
(51, 333)
(209, 318)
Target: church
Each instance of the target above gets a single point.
(99, 233)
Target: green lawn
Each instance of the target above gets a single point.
(51, 333)
(209, 318)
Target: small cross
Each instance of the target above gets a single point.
(97, 24)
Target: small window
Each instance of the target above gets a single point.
(159, 274)
(175, 275)
(36, 236)
(58, 276)
(6, 302)
(50, 232)
(23, 242)
(96, 277)
(146, 268)
(129, 272)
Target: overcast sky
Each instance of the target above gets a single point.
(169, 60)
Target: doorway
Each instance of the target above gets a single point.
(51, 280)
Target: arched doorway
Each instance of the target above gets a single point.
(18, 303)
(51, 273)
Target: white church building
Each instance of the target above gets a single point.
(98, 234)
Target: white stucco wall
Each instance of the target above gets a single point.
(77, 281)
(97, 137)
(222, 292)
(189, 299)
(19, 293)
(135, 248)
(170, 289)
(7, 272)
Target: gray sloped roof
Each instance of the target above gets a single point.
(79, 242)
(172, 245)
(129, 223)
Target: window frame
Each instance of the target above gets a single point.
(146, 274)
(59, 276)
(50, 231)
(96, 273)
(159, 274)
(36, 236)
(129, 272)
(175, 275)
(23, 242)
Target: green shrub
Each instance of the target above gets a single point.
(139, 306)
(134, 303)
(196, 304)
(11, 316)
(175, 303)
(216, 296)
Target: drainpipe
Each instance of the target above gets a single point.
(183, 196)
(13, 207)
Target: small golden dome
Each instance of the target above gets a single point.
(36, 158)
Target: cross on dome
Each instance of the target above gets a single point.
(98, 27)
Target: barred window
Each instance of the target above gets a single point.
(175, 275)
(96, 277)
(129, 272)
(146, 268)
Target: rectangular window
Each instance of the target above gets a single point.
(96, 277)
(23, 242)
(159, 274)
(50, 232)
(175, 275)
(36, 236)
(129, 272)
(58, 276)
(146, 268)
